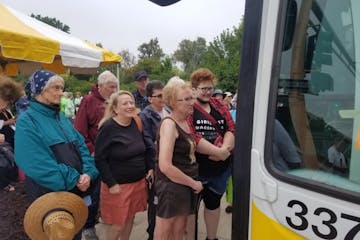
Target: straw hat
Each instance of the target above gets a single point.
(54, 216)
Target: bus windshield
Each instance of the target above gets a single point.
(316, 131)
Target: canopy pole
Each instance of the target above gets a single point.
(118, 72)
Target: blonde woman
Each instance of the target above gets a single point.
(120, 156)
(176, 175)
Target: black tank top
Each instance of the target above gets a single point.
(183, 154)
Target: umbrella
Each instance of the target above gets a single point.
(27, 44)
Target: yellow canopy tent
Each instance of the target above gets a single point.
(27, 44)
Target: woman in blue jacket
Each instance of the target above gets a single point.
(49, 150)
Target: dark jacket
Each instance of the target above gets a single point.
(140, 101)
(151, 122)
(91, 111)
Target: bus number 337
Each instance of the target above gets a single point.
(299, 221)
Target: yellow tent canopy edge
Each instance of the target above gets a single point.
(108, 56)
(19, 41)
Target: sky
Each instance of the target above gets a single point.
(126, 24)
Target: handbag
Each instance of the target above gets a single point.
(68, 154)
(219, 140)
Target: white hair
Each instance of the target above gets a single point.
(53, 80)
(175, 79)
(106, 77)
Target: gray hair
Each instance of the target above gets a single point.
(106, 77)
(52, 81)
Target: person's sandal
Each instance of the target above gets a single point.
(9, 188)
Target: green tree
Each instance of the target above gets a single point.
(151, 49)
(190, 53)
(52, 22)
(127, 58)
(223, 57)
(73, 84)
(164, 70)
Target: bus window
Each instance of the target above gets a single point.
(316, 126)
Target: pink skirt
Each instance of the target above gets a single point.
(117, 208)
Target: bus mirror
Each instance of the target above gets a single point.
(320, 82)
(319, 50)
(323, 59)
(323, 48)
(290, 22)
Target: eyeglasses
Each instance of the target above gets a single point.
(206, 89)
(157, 96)
(187, 99)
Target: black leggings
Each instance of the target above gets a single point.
(211, 199)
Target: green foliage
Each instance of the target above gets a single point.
(223, 58)
(190, 53)
(73, 84)
(151, 49)
(52, 22)
(164, 70)
(127, 59)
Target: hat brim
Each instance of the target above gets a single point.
(223, 94)
(141, 76)
(40, 207)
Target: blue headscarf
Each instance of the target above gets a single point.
(37, 82)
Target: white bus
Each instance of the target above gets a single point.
(296, 171)
(299, 89)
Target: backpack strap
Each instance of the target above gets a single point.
(138, 123)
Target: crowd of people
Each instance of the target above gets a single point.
(157, 148)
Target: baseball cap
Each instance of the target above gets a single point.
(228, 94)
(140, 74)
(218, 91)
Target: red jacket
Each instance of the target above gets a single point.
(91, 111)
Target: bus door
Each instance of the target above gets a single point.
(297, 170)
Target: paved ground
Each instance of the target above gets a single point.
(139, 230)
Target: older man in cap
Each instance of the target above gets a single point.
(141, 79)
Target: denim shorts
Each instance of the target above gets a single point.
(217, 184)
